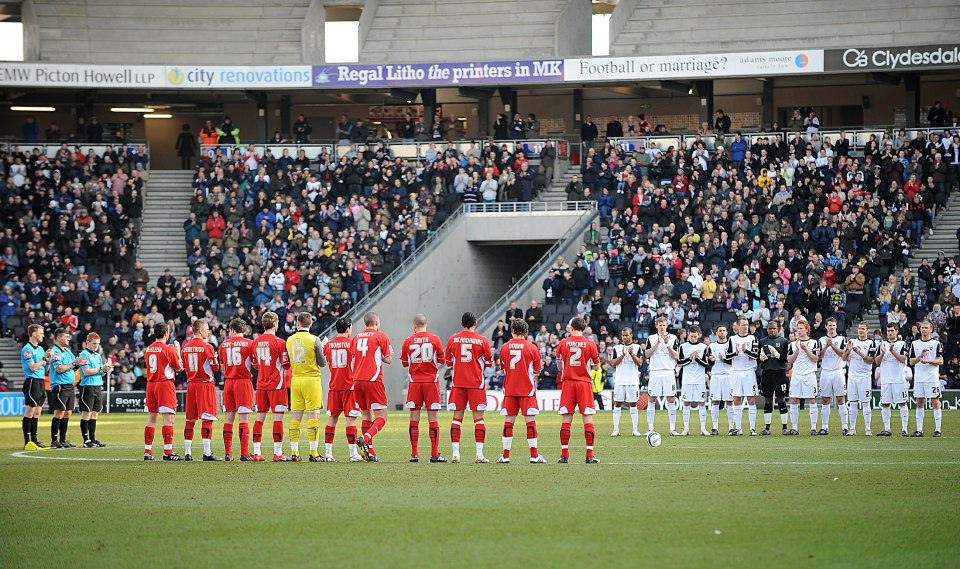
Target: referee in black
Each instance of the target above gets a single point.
(34, 361)
(773, 377)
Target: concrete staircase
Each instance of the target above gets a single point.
(944, 237)
(10, 357)
(557, 192)
(167, 207)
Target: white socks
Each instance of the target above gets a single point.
(813, 415)
(885, 415)
(852, 415)
(767, 417)
(715, 415)
(904, 417)
(737, 416)
(920, 413)
(206, 447)
(455, 449)
(256, 448)
(295, 447)
(936, 419)
(702, 410)
(616, 418)
(795, 416)
(686, 417)
(328, 449)
(277, 448)
(507, 443)
(825, 415)
(187, 447)
(844, 422)
(672, 413)
(634, 417)
(752, 414)
(479, 450)
(651, 413)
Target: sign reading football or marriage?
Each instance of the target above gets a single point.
(439, 74)
(694, 66)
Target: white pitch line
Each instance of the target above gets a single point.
(783, 463)
(23, 454)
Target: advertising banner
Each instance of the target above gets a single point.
(694, 66)
(135, 401)
(237, 77)
(892, 58)
(439, 74)
(96, 76)
(11, 405)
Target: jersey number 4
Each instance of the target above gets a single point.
(362, 346)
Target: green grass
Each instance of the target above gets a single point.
(693, 502)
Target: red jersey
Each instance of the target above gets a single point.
(162, 362)
(237, 356)
(521, 363)
(272, 362)
(468, 353)
(576, 356)
(200, 359)
(369, 349)
(422, 355)
(339, 355)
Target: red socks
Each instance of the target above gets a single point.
(375, 426)
(328, 434)
(352, 435)
(414, 431)
(479, 430)
(532, 439)
(228, 438)
(507, 434)
(278, 431)
(434, 438)
(244, 439)
(565, 440)
(148, 434)
(257, 431)
(167, 432)
(455, 431)
(206, 429)
(188, 430)
(589, 434)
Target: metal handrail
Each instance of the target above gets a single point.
(50, 149)
(488, 318)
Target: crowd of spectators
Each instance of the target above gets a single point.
(775, 227)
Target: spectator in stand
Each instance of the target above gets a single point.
(721, 124)
(186, 147)
(811, 124)
(227, 132)
(30, 131)
(588, 132)
(302, 129)
(94, 131)
(937, 116)
(614, 128)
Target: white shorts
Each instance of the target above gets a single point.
(663, 383)
(694, 392)
(927, 390)
(859, 389)
(894, 393)
(626, 393)
(720, 388)
(743, 383)
(832, 383)
(803, 386)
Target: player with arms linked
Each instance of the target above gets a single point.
(340, 397)
(236, 357)
(200, 359)
(521, 363)
(371, 350)
(577, 355)
(468, 353)
(272, 384)
(163, 362)
(422, 355)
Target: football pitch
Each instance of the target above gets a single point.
(693, 502)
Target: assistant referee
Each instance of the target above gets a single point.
(34, 361)
(91, 389)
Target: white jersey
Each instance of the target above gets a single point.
(747, 360)
(858, 367)
(720, 367)
(627, 373)
(661, 359)
(926, 373)
(803, 365)
(693, 359)
(831, 359)
(891, 370)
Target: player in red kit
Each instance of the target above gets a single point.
(236, 357)
(576, 356)
(520, 360)
(422, 355)
(200, 359)
(468, 353)
(163, 361)
(340, 397)
(272, 383)
(371, 350)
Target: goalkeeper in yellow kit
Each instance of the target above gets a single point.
(306, 358)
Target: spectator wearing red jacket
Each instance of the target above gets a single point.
(215, 228)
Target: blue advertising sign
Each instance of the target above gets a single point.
(11, 404)
(439, 74)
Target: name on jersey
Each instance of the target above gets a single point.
(462, 340)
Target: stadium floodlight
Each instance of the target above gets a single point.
(158, 116)
(33, 109)
(131, 110)
(677, 87)
(403, 95)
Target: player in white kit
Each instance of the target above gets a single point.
(803, 357)
(694, 364)
(892, 367)
(720, 380)
(743, 350)
(626, 380)
(833, 380)
(926, 357)
(861, 354)
(661, 352)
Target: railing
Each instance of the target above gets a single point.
(398, 148)
(50, 149)
(527, 207)
(488, 318)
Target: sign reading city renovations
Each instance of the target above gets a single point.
(94, 76)
(233, 77)
(892, 58)
(694, 66)
(439, 74)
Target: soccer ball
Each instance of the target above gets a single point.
(654, 439)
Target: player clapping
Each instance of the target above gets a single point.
(626, 380)
(661, 352)
(694, 363)
(892, 368)
(926, 357)
(803, 356)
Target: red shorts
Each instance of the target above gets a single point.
(423, 395)
(161, 397)
(201, 401)
(514, 406)
(238, 396)
(370, 395)
(342, 403)
(273, 400)
(460, 397)
(575, 394)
